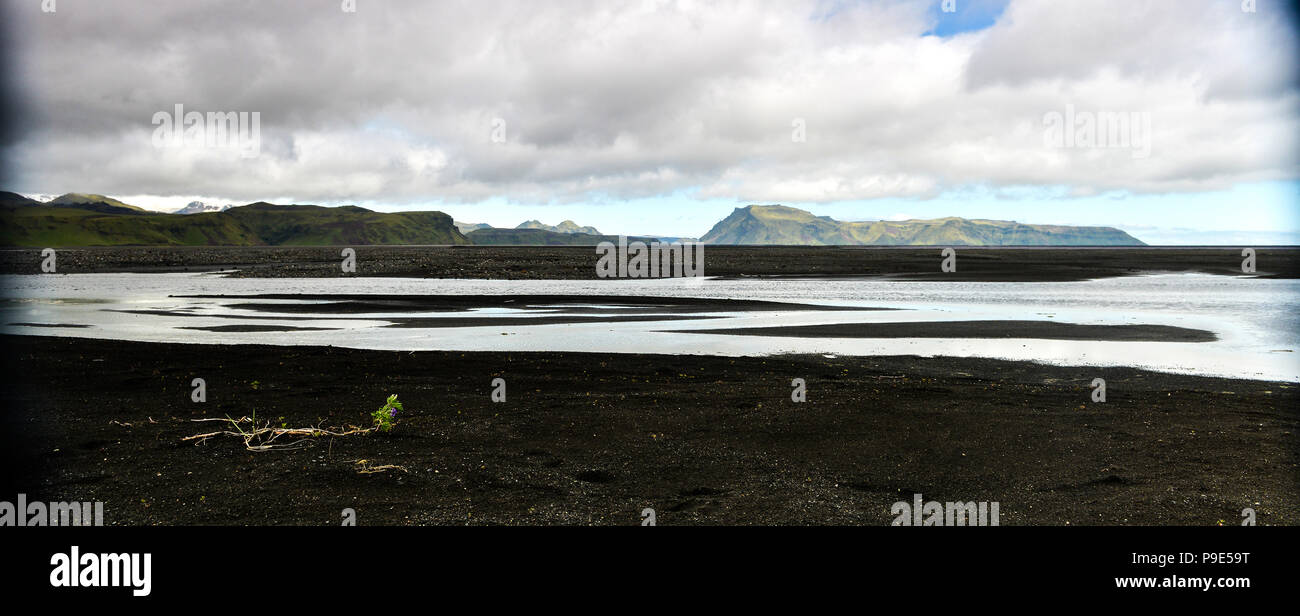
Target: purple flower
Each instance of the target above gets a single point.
(392, 412)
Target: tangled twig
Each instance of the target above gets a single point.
(263, 437)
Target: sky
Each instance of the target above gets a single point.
(1175, 120)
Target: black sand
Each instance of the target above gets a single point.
(575, 262)
(595, 438)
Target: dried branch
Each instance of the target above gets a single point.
(263, 437)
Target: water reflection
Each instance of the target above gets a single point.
(1253, 322)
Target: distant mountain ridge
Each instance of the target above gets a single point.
(782, 225)
(81, 219)
(541, 237)
(567, 226)
(466, 227)
(199, 207)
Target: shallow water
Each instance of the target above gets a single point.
(1257, 321)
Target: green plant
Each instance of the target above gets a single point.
(386, 416)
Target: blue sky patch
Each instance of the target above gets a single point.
(964, 16)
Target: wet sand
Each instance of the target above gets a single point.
(1039, 330)
(594, 304)
(595, 438)
(437, 322)
(535, 309)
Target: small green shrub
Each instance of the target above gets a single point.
(386, 417)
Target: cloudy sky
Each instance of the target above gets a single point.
(660, 117)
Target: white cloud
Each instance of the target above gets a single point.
(614, 101)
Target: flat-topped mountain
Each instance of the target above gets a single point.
(778, 224)
(25, 222)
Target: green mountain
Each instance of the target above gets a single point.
(24, 222)
(567, 226)
(310, 225)
(778, 224)
(96, 203)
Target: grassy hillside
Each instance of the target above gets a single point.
(314, 225)
(781, 225)
(97, 203)
(67, 226)
(28, 223)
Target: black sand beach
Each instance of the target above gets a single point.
(575, 262)
(594, 438)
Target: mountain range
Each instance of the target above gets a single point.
(81, 219)
(567, 226)
(541, 237)
(778, 224)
